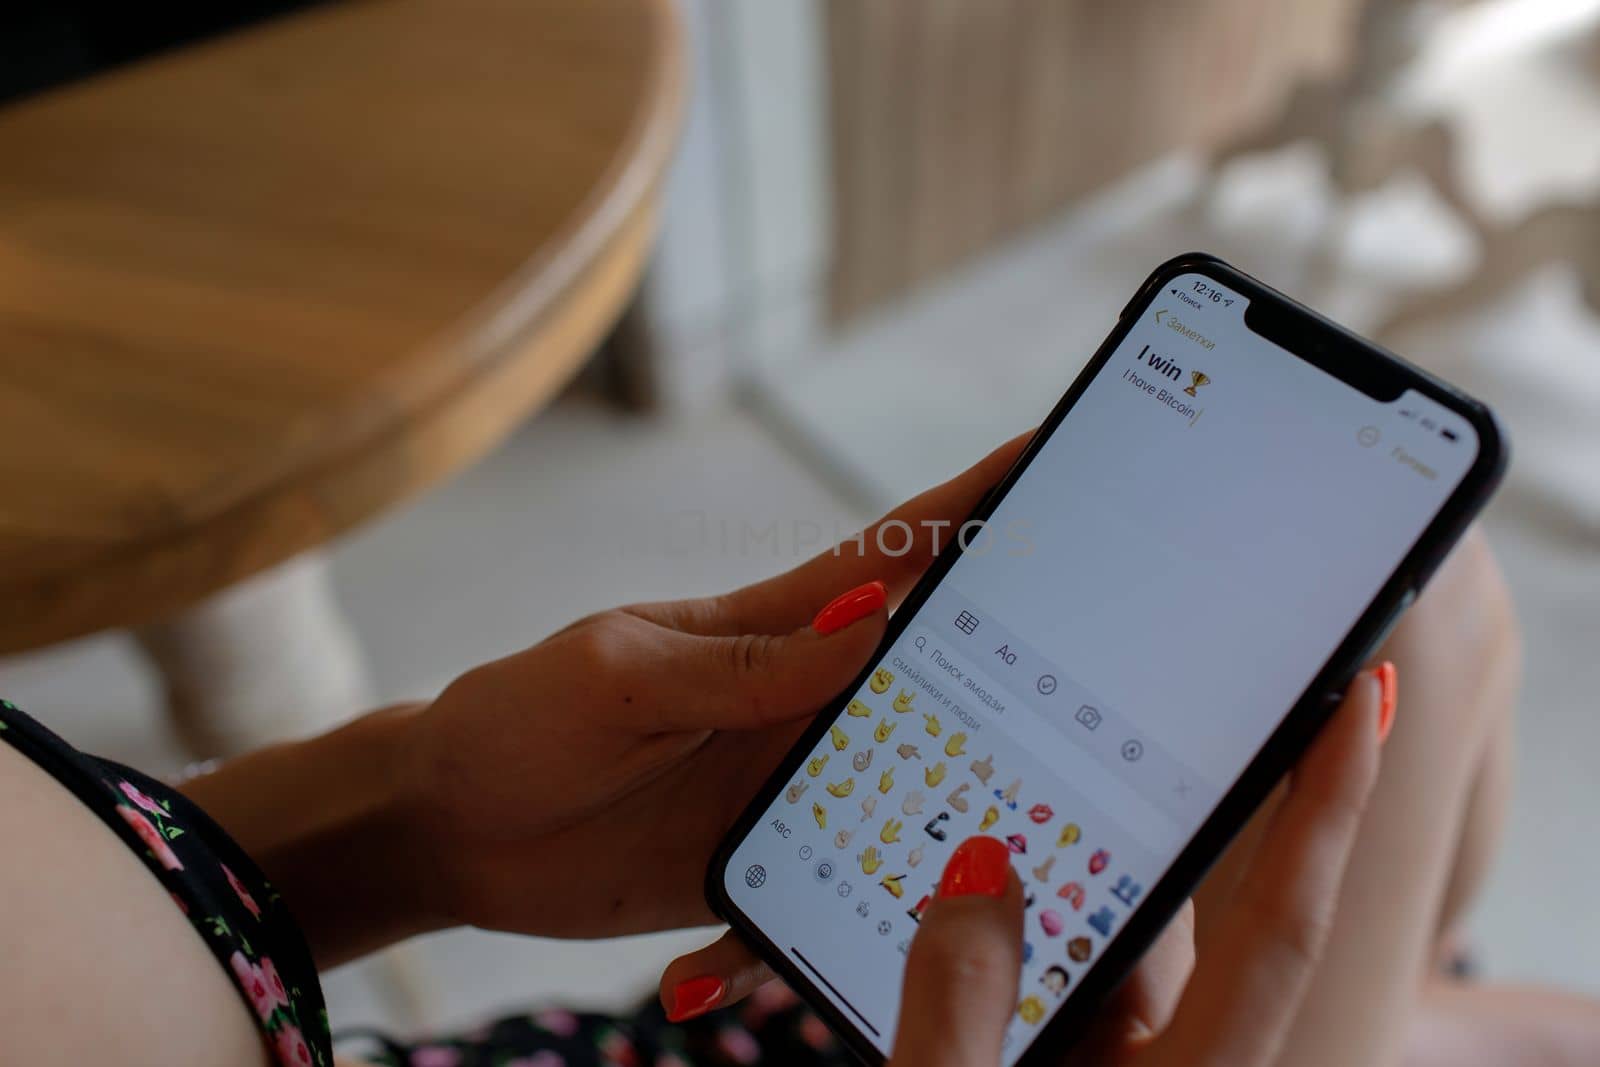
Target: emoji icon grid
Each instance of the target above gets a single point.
(1069, 931)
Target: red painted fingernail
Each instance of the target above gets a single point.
(850, 607)
(695, 996)
(979, 865)
(1389, 686)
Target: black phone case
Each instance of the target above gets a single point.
(1323, 343)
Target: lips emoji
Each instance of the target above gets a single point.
(1018, 844)
(1051, 922)
(1099, 861)
(1041, 813)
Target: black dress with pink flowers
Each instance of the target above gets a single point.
(771, 1027)
(229, 902)
(248, 928)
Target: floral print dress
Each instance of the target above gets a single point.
(249, 929)
(227, 900)
(771, 1027)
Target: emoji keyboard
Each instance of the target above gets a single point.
(899, 779)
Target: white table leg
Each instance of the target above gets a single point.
(268, 659)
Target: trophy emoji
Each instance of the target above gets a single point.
(1200, 378)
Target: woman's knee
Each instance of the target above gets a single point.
(1459, 648)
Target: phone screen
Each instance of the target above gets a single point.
(1107, 655)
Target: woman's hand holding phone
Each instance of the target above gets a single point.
(1233, 1007)
(579, 787)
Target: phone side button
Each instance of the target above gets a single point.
(1408, 598)
(1332, 700)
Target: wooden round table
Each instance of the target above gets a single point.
(256, 291)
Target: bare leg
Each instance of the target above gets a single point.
(1492, 1026)
(1458, 658)
(1461, 1024)
(1487, 807)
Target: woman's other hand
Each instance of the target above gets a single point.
(961, 974)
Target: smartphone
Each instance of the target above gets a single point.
(1132, 638)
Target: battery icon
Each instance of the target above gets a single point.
(1448, 434)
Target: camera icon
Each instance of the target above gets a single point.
(1088, 717)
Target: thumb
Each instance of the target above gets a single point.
(748, 681)
(962, 972)
(715, 976)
